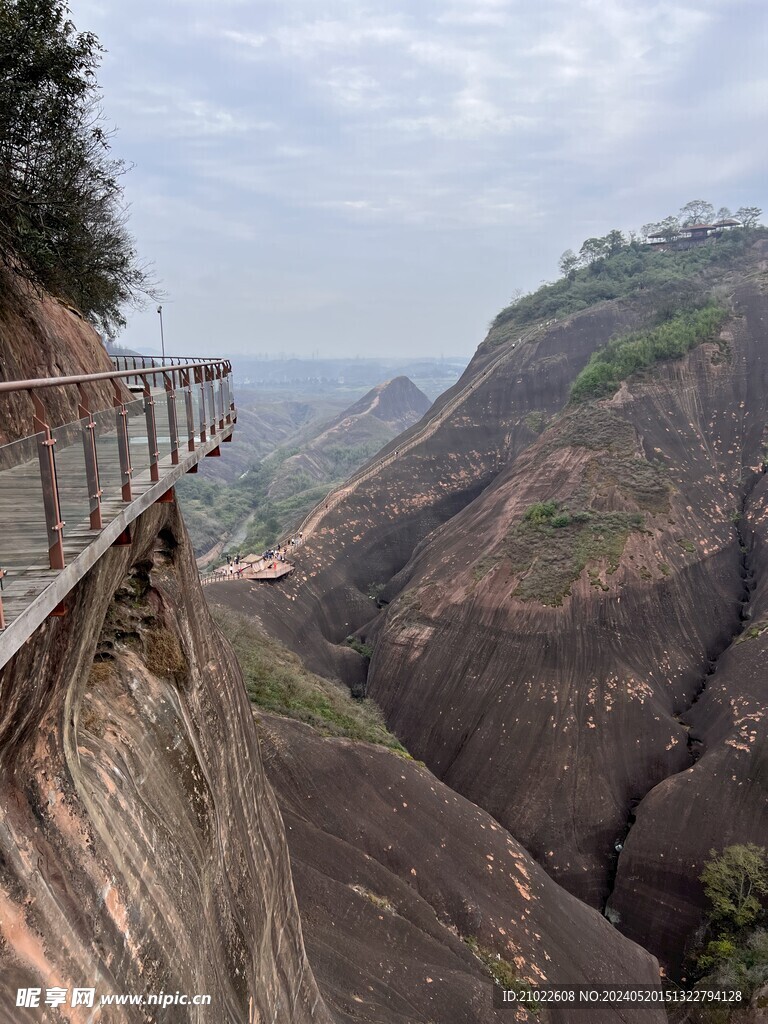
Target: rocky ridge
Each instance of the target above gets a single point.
(383, 413)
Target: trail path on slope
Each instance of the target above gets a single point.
(334, 497)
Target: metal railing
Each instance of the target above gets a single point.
(56, 483)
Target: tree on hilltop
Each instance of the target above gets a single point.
(568, 263)
(62, 217)
(749, 215)
(592, 249)
(669, 227)
(614, 242)
(698, 211)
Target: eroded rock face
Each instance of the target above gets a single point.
(142, 849)
(556, 679)
(552, 677)
(555, 672)
(394, 872)
(42, 337)
(721, 798)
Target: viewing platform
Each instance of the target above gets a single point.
(251, 568)
(68, 493)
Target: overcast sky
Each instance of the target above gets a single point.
(380, 177)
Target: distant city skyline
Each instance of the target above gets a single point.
(381, 178)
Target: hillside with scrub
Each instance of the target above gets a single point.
(624, 266)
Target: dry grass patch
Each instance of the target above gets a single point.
(163, 655)
(276, 681)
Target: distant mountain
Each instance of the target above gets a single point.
(285, 459)
(267, 422)
(353, 437)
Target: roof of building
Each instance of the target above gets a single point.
(730, 222)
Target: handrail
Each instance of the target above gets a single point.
(161, 360)
(88, 378)
(192, 409)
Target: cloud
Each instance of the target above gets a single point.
(332, 143)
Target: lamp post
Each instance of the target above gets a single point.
(162, 336)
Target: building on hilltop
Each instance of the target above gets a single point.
(692, 235)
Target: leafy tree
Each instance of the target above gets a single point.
(62, 219)
(749, 215)
(593, 249)
(614, 242)
(568, 262)
(670, 227)
(649, 229)
(735, 882)
(723, 213)
(698, 211)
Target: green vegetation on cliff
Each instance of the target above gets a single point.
(629, 353)
(552, 545)
(276, 681)
(661, 280)
(504, 973)
(732, 952)
(555, 541)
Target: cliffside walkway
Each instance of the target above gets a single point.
(70, 492)
(248, 571)
(399, 448)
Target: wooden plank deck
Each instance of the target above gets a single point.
(259, 571)
(29, 583)
(27, 567)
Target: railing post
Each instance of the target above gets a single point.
(123, 446)
(220, 377)
(227, 396)
(149, 413)
(208, 371)
(50, 487)
(2, 616)
(91, 459)
(232, 418)
(189, 408)
(199, 380)
(169, 378)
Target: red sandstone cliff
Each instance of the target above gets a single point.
(141, 848)
(585, 715)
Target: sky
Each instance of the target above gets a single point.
(352, 178)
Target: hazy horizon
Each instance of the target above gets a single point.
(382, 179)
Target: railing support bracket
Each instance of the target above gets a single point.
(124, 539)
